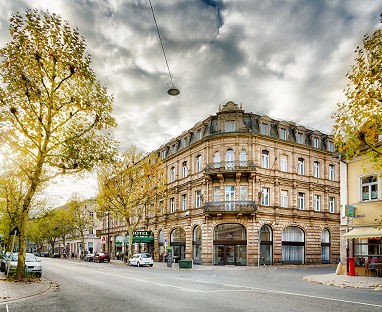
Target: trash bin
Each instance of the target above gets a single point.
(185, 264)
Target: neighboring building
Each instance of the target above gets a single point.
(72, 246)
(245, 189)
(361, 216)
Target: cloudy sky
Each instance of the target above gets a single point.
(285, 59)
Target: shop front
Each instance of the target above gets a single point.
(143, 241)
(367, 250)
(230, 244)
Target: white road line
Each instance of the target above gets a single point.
(243, 289)
(6, 306)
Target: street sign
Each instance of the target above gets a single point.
(350, 211)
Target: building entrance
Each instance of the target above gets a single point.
(230, 244)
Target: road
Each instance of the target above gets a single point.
(110, 287)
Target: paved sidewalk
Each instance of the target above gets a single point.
(10, 291)
(345, 281)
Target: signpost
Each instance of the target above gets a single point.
(169, 257)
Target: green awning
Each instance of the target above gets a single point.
(365, 232)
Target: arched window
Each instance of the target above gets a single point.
(293, 245)
(230, 244)
(230, 159)
(266, 245)
(243, 158)
(178, 243)
(197, 245)
(325, 246)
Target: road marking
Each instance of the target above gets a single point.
(246, 288)
(6, 306)
(243, 289)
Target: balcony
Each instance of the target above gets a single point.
(230, 166)
(230, 207)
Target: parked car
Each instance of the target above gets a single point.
(32, 265)
(89, 257)
(3, 260)
(101, 257)
(141, 259)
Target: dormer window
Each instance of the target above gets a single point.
(230, 126)
(264, 129)
(199, 134)
(300, 138)
(330, 146)
(283, 134)
(316, 142)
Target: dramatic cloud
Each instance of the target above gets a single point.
(285, 59)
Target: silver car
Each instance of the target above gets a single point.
(32, 265)
(141, 259)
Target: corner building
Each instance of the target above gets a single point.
(246, 189)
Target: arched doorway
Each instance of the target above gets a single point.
(325, 246)
(230, 244)
(178, 243)
(197, 245)
(266, 245)
(293, 245)
(161, 245)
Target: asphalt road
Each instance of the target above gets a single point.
(109, 287)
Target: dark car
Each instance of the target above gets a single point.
(101, 257)
(3, 260)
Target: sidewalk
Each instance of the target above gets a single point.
(10, 291)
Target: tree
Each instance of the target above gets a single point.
(53, 110)
(130, 188)
(82, 218)
(358, 121)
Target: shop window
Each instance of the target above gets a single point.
(266, 245)
(197, 245)
(293, 245)
(325, 246)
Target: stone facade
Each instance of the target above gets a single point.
(246, 189)
(241, 168)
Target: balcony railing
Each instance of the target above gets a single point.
(247, 165)
(242, 206)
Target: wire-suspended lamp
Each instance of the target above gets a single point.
(172, 90)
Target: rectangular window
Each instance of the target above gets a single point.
(316, 169)
(243, 192)
(265, 159)
(316, 142)
(283, 134)
(301, 200)
(332, 201)
(330, 146)
(317, 202)
(216, 193)
(229, 126)
(265, 196)
(331, 173)
(198, 164)
(369, 188)
(184, 169)
(300, 166)
(299, 138)
(264, 129)
(198, 199)
(172, 174)
(172, 205)
(284, 163)
(184, 201)
(284, 199)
